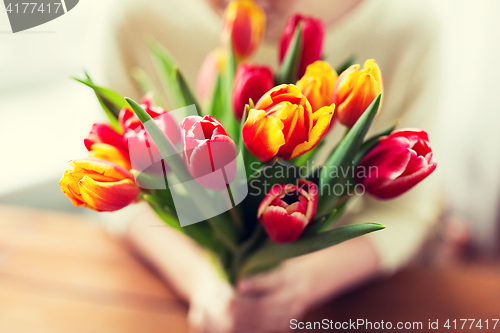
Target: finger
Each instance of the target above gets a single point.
(195, 321)
(261, 284)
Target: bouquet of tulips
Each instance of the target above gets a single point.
(233, 167)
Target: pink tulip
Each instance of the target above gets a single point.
(250, 81)
(209, 152)
(212, 66)
(313, 33)
(287, 210)
(399, 162)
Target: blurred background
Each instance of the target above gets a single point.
(44, 115)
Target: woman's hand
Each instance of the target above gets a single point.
(267, 302)
(264, 303)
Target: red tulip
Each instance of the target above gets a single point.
(138, 141)
(142, 148)
(250, 81)
(129, 121)
(399, 162)
(207, 149)
(244, 25)
(313, 33)
(102, 133)
(287, 210)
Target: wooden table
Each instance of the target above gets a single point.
(61, 273)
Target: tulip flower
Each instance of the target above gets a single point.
(102, 133)
(283, 124)
(110, 153)
(135, 131)
(355, 90)
(209, 152)
(317, 84)
(313, 34)
(250, 81)
(399, 162)
(212, 66)
(99, 185)
(244, 25)
(287, 210)
(143, 150)
(129, 121)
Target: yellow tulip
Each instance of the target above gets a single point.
(317, 84)
(355, 90)
(110, 153)
(283, 124)
(99, 185)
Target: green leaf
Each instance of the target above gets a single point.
(271, 254)
(185, 91)
(228, 118)
(200, 232)
(346, 64)
(327, 222)
(289, 69)
(370, 143)
(172, 79)
(111, 101)
(165, 67)
(160, 211)
(216, 107)
(148, 86)
(342, 158)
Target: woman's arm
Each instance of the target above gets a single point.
(176, 257)
(264, 303)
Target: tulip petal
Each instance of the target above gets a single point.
(403, 184)
(282, 93)
(263, 136)
(356, 103)
(103, 133)
(110, 153)
(107, 170)
(345, 84)
(390, 159)
(317, 132)
(107, 196)
(296, 122)
(281, 227)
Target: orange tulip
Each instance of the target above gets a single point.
(355, 90)
(99, 185)
(283, 124)
(244, 25)
(317, 84)
(110, 153)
